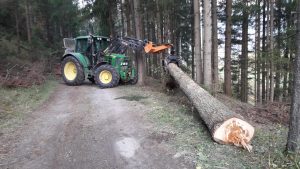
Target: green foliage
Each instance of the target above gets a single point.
(49, 21)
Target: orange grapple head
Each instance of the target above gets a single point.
(152, 48)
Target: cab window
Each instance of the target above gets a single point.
(81, 45)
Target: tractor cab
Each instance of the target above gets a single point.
(85, 43)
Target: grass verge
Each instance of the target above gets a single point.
(15, 103)
(191, 136)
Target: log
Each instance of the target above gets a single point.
(225, 126)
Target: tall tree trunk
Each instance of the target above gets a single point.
(271, 51)
(293, 142)
(159, 32)
(128, 16)
(244, 58)
(258, 56)
(290, 78)
(154, 38)
(207, 66)
(140, 58)
(277, 91)
(285, 75)
(17, 28)
(227, 69)
(111, 20)
(28, 26)
(197, 42)
(263, 68)
(193, 41)
(268, 54)
(122, 18)
(215, 59)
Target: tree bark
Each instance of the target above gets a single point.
(285, 75)
(28, 27)
(122, 18)
(159, 32)
(277, 91)
(214, 51)
(293, 142)
(197, 42)
(271, 97)
(111, 20)
(207, 75)
(128, 16)
(263, 68)
(268, 54)
(17, 29)
(244, 58)
(227, 69)
(279, 66)
(140, 59)
(225, 126)
(258, 56)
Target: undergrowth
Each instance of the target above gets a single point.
(15, 103)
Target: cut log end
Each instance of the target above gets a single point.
(234, 131)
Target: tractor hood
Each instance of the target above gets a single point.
(114, 55)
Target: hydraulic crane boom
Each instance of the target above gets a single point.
(120, 45)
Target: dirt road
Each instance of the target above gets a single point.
(87, 127)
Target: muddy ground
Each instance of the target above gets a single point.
(86, 127)
(132, 127)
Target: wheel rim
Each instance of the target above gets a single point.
(70, 71)
(105, 76)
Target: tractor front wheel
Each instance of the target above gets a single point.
(72, 71)
(106, 76)
(134, 80)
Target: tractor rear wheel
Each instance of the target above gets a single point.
(72, 71)
(106, 76)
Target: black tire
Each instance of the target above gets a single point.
(134, 80)
(111, 82)
(79, 75)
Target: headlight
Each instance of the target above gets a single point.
(124, 63)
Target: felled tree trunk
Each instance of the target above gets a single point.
(225, 126)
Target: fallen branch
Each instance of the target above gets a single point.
(8, 71)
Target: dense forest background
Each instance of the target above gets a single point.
(242, 48)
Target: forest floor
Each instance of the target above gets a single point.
(125, 127)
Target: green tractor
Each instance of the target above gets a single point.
(100, 60)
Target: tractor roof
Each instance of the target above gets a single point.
(86, 37)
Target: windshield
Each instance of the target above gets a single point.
(101, 44)
(81, 45)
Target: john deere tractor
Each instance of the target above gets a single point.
(102, 60)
